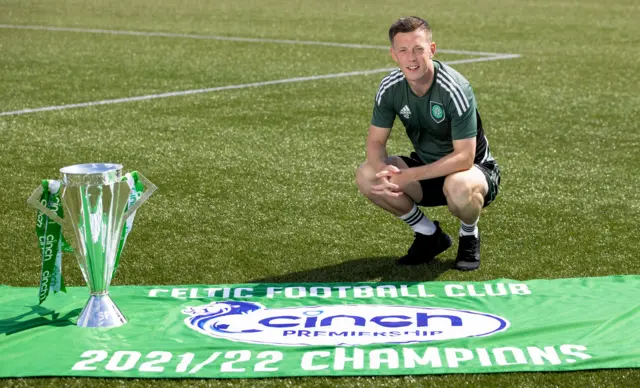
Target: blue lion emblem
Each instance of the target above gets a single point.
(212, 316)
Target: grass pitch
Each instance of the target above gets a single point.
(257, 184)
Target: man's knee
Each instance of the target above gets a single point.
(365, 178)
(366, 174)
(460, 192)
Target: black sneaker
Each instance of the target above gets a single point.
(468, 257)
(426, 247)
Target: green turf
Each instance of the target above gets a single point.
(258, 184)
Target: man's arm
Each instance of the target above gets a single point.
(377, 146)
(462, 157)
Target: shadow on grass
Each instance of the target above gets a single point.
(17, 324)
(381, 269)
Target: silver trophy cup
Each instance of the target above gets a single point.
(94, 199)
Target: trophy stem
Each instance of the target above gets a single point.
(100, 311)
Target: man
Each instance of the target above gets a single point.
(451, 164)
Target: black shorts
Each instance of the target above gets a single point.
(432, 189)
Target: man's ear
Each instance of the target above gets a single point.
(393, 54)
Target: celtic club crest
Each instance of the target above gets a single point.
(437, 112)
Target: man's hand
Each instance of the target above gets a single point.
(387, 185)
(393, 181)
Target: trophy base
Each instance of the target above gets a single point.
(100, 311)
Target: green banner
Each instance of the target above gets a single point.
(328, 329)
(137, 188)
(50, 241)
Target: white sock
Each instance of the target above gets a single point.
(469, 230)
(419, 222)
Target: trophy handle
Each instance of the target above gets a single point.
(150, 188)
(34, 200)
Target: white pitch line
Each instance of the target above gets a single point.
(229, 38)
(484, 59)
(231, 87)
(194, 91)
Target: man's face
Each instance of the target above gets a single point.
(412, 51)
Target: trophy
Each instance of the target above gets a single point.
(94, 199)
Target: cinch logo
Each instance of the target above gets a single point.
(338, 324)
